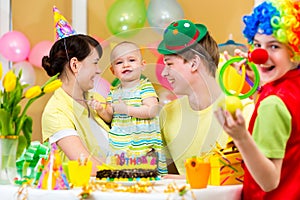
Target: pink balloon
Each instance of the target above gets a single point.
(15, 46)
(104, 43)
(101, 86)
(40, 50)
(158, 70)
(153, 48)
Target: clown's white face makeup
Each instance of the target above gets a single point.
(279, 61)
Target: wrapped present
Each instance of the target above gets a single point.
(226, 169)
(31, 161)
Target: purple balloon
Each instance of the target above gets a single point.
(14, 46)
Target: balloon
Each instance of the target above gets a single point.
(28, 73)
(40, 50)
(15, 46)
(126, 16)
(222, 79)
(161, 13)
(158, 70)
(101, 86)
(104, 43)
(164, 94)
(153, 48)
(233, 81)
(116, 81)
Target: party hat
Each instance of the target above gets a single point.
(62, 28)
(53, 176)
(230, 45)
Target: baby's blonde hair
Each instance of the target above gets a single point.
(130, 47)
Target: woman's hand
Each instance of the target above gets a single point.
(173, 176)
(97, 105)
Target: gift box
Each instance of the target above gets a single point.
(226, 169)
(30, 162)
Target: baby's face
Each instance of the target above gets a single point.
(127, 63)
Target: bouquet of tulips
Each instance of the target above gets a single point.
(13, 118)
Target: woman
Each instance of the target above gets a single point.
(67, 119)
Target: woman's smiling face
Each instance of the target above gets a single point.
(279, 61)
(89, 68)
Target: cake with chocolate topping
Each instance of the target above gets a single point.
(130, 174)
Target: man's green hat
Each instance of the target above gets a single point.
(180, 35)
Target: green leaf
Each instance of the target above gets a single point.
(21, 145)
(15, 96)
(18, 94)
(27, 129)
(6, 123)
(16, 112)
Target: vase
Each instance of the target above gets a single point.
(8, 150)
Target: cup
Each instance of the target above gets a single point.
(79, 174)
(197, 173)
(66, 169)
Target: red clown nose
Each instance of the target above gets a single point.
(258, 56)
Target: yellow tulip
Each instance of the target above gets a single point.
(52, 86)
(33, 92)
(9, 81)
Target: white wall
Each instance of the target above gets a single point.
(5, 26)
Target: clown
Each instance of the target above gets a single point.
(271, 144)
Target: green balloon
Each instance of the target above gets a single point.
(126, 17)
(116, 81)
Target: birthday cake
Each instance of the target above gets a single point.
(130, 174)
(129, 167)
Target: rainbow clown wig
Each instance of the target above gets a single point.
(280, 18)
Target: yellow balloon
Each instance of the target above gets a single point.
(233, 80)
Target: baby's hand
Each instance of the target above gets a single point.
(97, 105)
(120, 108)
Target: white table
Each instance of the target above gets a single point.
(231, 192)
